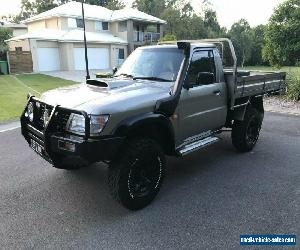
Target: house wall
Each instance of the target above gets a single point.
(38, 25)
(130, 36)
(113, 61)
(114, 28)
(90, 26)
(19, 31)
(24, 44)
(91, 45)
(52, 23)
(66, 56)
(63, 23)
(46, 44)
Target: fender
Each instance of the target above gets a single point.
(130, 124)
(156, 126)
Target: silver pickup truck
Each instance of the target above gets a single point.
(169, 99)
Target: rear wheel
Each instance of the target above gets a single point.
(135, 179)
(245, 133)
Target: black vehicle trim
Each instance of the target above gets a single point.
(168, 105)
(133, 126)
(127, 125)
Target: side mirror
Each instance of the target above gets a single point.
(114, 70)
(204, 78)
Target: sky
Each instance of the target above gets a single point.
(228, 11)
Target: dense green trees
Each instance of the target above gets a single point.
(242, 38)
(4, 35)
(282, 37)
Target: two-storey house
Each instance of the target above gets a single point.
(55, 38)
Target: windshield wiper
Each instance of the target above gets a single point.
(154, 78)
(124, 74)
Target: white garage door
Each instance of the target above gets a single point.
(98, 58)
(48, 59)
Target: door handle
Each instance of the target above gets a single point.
(217, 92)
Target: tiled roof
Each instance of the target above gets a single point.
(93, 12)
(70, 36)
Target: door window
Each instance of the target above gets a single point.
(202, 69)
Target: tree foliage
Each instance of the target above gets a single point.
(5, 34)
(242, 39)
(151, 7)
(168, 37)
(282, 38)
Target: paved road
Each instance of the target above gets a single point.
(208, 199)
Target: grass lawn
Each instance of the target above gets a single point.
(14, 90)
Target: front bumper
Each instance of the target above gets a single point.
(55, 144)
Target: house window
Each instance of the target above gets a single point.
(99, 26)
(79, 23)
(122, 26)
(75, 23)
(18, 49)
(120, 55)
(72, 23)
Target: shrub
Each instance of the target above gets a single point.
(293, 88)
(168, 37)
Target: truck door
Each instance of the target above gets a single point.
(203, 106)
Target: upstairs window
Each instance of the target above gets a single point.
(122, 26)
(79, 23)
(74, 23)
(99, 26)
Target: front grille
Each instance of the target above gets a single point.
(62, 120)
(41, 111)
(42, 114)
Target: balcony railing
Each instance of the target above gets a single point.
(146, 36)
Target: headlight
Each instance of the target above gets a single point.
(76, 124)
(98, 123)
(29, 111)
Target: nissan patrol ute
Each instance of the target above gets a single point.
(168, 99)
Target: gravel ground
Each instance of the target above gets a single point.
(280, 105)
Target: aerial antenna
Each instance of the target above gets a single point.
(85, 45)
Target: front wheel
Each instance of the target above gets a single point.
(135, 179)
(245, 133)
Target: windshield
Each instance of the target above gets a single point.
(161, 64)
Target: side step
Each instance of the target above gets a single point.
(197, 145)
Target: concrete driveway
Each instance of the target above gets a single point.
(207, 200)
(74, 75)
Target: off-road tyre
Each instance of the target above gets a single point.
(245, 133)
(136, 177)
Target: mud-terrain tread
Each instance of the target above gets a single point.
(239, 130)
(129, 150)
